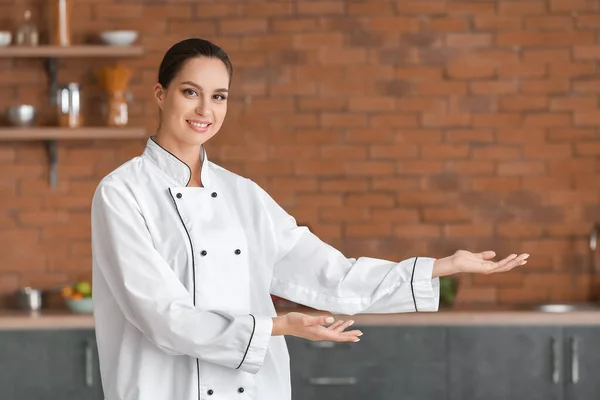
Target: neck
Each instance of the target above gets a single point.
(191, 155)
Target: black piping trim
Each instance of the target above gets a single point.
(178, 159)
(193, 274)
(251, 336)
(412, 289)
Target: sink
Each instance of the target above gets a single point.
(567, 307)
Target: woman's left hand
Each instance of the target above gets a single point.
(478, 263)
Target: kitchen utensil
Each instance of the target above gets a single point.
(29, 299)
(69, 105)
(119, 37)
(80, 306)
(23, 115)
(5, 38)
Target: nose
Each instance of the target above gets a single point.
(203, 106)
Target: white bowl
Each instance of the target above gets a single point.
(23, 115)
(119, 38)
(5, 38)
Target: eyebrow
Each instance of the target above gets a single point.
(223, 90)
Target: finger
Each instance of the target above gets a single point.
(503, 263)
(344, 326)
(355, 332)
(335, 324)
(310, 320)
(486, 255)
(516, 262)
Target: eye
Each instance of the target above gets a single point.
(219, 97)
(189, 92)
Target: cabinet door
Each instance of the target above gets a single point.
(502, 362)
(582, 362)
(388, 363)
(49, 364)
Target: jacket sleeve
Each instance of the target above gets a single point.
(152, 297)
(310, 272)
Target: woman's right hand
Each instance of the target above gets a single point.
(314, 328)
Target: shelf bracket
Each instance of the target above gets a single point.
(51, 66)
(52, 148)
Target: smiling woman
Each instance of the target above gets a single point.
(187, 254)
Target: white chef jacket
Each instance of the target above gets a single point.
(182, 278)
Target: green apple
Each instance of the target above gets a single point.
(84, 287)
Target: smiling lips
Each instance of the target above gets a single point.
(199, 126)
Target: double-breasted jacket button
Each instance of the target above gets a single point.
(214, 194)
(210, 392)
(241, 390)
(238, 251)
(179, 195)
(203, 253)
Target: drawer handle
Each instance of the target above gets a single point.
(556, 361)
(574, 360)
(89, 365)
(333, 381)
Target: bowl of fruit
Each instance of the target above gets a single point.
(78, 297)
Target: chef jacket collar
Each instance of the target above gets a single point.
(176, 169)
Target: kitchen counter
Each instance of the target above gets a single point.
(64, 319)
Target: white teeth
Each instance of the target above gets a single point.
(198, 125)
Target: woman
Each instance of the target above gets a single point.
(186, 255)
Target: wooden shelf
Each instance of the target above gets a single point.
(57, 133)
(71, 51)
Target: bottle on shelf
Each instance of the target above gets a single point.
(61, 23)
(27, 33)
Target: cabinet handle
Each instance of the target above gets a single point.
(333, 381)
(574, 360)
(555, 360)
(89, 364)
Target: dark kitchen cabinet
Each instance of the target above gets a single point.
(581, 362)
(49, 364)
(389, 362)
(505, 362)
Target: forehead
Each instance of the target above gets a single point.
(206, 72)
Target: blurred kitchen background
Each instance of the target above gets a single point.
(391, 128)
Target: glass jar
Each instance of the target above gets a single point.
(27, 33)
(117, 113)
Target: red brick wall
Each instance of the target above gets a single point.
(392, 128)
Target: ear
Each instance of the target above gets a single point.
(159, 95)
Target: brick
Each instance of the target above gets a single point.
(320, 7)
(493, 22)
(524, 102)
(369, 168)
(321, 104)
(293, 25)
(418, 73)
(394, 120)
(368, 135)
(588, 21)
(192, 28)
(573, 5)
(371, 7)
(471, 167)
(108, 11)
(342, 120)
(519, 168)
(215, 10)
(372, 104)
(370, 200)
(469, 69)
(343, 152)
(420, 104)
(445, 120)
(495, 184)
(469, 135)
(547, 56)
(471, 7)
(418, 136)
(575, 70)
(547, 120)
(343, 185)
(547, 151)
(587, 149)
(421, 7)
(342, 56)
(539, 39)
(569, 134)
(271, 9)
(415, 231)
(419, 167)
(522, 7)
(522, 70)
(452, 151)
(242, 26)
(440, 88)
(547, 23)
(546, 86)
(446, 24)
(319, 168)
(587, 118)
(469, 39)
(344, 214)
(445, 215)
(317, 40)
(467, 230)
(586, 52)
(393, 24)
(393, 152)
(396, 184)
(574, 103)
(496, 153)
(368, 230)
(494, 87)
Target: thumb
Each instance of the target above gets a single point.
(486, 255)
